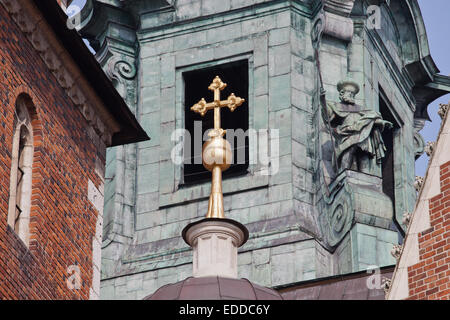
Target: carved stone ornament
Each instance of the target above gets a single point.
(397, 251)
(334, 21)
(443, 108)
(418, 183)
(429, 148)
(120, 68)
(337, 212)
(345, 201)
(406, 218)
(317, 31)
(40, 40)
(386, 286)
(341, 7)
(122, 72)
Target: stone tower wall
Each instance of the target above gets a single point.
(287, 244)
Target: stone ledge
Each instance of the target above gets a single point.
(202, 191)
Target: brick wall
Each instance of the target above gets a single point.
(62, 219)
(430, 278)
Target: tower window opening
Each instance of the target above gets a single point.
(196, 83)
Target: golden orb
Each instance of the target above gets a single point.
(217, 152)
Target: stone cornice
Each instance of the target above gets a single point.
(69, 77)
(208, 22)
(340, 7)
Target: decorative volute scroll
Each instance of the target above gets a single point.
(334, 20)
(120, 68)
(345, 202)
(120, 71)
(341, 7)
(338, 213)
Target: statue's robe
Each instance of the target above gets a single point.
(354, 126)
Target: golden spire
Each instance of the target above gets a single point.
(216, 153)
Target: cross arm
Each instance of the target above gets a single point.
(232, 103)
(202, 106)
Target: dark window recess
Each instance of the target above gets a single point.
(196, 83)
(18, 213)
(387, 165)
(20, 174)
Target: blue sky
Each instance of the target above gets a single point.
(436, 14)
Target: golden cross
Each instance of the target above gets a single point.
(216, 151)
(232, 102)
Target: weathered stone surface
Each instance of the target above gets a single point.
(287, 240)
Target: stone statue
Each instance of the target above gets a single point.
(356, 131)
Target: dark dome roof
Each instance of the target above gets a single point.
(214, 288)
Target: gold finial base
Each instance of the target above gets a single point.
(215, 205)
(217, 254)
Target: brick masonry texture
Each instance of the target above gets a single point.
(430, 278)
(62, 220)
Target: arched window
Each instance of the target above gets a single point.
(21, 169)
